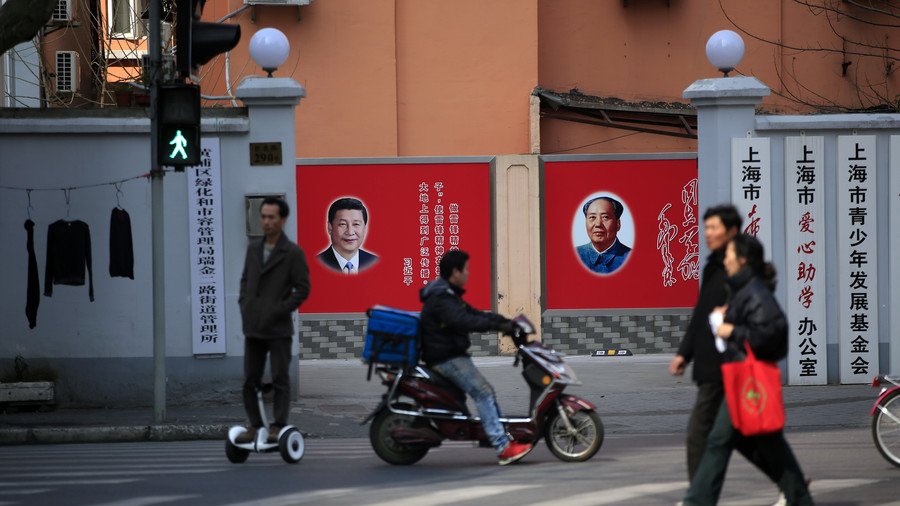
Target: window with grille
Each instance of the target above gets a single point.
(65, 71)
(62, 11)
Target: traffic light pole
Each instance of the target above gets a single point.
(157, 220)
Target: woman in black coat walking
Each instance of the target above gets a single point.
(752, 316)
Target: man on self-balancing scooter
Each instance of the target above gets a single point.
(274, 283)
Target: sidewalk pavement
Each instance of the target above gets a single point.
(633, 395)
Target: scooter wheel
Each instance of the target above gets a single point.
(578, 444)
(291, 446)
(235, 455)
(384, 445)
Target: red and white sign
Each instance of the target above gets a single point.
(416, 213)
(659, 223)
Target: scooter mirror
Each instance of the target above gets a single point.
(524, 323)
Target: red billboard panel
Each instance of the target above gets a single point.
(621, 234)
(392, 223)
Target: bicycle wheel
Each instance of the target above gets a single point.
(886, 428)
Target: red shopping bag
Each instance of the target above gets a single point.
(753, 394)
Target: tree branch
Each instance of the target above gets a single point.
(780, 44)
(872, 9)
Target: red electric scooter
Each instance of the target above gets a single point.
(421, 409)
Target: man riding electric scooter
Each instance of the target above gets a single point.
(446, 321)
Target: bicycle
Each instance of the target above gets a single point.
(886, 418)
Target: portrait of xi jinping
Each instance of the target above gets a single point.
(346, 224)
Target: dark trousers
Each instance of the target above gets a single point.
(772, 449)
(710, 397)
(255, 351)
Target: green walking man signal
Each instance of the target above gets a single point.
(180, 142)
(179, 125)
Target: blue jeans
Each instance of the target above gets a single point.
(463, 373)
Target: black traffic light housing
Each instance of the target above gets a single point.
(178, 142)
(197, 42)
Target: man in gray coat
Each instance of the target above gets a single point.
(274, 283)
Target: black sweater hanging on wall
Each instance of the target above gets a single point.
(68, 252)
(121, 251)
(33, 294)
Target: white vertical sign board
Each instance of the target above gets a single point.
(857, 262)
(751, 186)
(894, 223)
(206, 264)
(804, 231)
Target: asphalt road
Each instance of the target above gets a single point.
(633, 395)
(641, 469)
(644, 411)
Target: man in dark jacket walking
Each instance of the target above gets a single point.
(721, 224)
(445, 324)
(274, 283)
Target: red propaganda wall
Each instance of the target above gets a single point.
(416, 212)
(659, 223)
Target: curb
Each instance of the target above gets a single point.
(113, 434)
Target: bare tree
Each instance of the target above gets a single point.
(860, 34)
(114, 64)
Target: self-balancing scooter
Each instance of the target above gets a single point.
(290, 440)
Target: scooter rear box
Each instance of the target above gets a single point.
(392, 337)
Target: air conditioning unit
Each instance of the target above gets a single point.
(278, 2)
(66, 71)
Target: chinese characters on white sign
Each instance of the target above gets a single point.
(205, 228)
(751, 189)
(857, 262)
(894, 242)
(804, 209)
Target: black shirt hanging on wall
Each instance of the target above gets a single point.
(33, 293)
(121, 251)
(68, 252)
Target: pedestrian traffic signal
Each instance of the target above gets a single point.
(178, 141)
(196, 42)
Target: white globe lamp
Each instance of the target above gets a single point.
(269, 48)
(724, 50)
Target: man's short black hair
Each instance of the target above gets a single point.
(454, 259)
(283, 209)
(618, 209)
(729, 215)
(347, 203)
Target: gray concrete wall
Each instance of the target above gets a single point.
(883, 126)
(726, 110)
(102, 351)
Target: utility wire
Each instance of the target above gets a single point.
(592, 144)
(77, 187)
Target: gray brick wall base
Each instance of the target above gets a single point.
(570, 334)
(583, 335)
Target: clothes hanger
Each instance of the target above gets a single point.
(30, 207)
(119, 192)
(67, 192)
